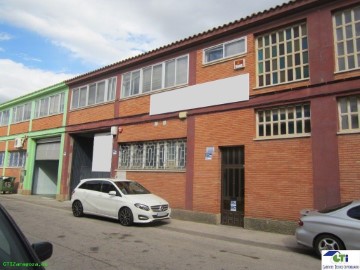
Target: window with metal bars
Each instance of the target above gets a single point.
(158, 155)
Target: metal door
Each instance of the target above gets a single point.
(232, 186)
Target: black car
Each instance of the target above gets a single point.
(15, 250)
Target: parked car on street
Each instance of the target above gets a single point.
(15, 250)
(333, 228)
(125, 200)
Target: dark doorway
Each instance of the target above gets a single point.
(82, 160)
(232, 186)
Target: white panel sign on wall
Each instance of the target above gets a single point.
(102, 153)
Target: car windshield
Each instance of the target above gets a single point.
(131, 188)
(334, 208)
(12, 247)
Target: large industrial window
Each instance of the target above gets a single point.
(167, 74)
(349, 113)
(159, 155)
(2, 157)
(95, 93)
(225, 50)
(49, 105)
(347, 39)
(17, 159)
(281, 122)
(282, 56)
(21, 113)
(4, 117)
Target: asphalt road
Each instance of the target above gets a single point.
(96, 243)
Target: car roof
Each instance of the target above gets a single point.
(106, 179)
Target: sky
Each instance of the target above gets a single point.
(44, 42)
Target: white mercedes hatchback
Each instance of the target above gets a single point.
(125, 200)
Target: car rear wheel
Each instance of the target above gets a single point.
(327, 242)
(77, 209)
(125, 216)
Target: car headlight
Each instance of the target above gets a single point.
(142, 206)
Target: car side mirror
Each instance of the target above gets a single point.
(112, 193)
(43, 250)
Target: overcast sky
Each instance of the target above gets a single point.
(43, 42)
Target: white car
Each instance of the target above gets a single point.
(333, 228)
(125, 200)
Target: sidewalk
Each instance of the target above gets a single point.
(218, 232)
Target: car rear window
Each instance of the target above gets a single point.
(334, 208)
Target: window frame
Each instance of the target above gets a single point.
(347, 42)
(222, 46)
(51, 108)
(81, 98)
(282, 56)
(2, 158)
(349, 114)
(21, 113)
(277, 118)
(157, 78)
(17, 159)
(135, 156)
(4, 117)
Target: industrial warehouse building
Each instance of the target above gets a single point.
(245, 124)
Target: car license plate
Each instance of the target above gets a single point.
(163, 214)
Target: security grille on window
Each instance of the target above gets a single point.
(95, 93)
(4, 117)
(49, 105)
(167, 74)
(161, 155)
(17, 159)
(21, 113)
(225, 50)
(2, 157)
(284, 121)
(347, 39)
(282, 56)
(349, 112)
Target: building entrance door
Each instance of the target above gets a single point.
(232, 186)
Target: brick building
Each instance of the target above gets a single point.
(244, 124)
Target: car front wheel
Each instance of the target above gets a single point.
(126, 216)
(327, 242)
(77, 209)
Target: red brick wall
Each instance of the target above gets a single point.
(19, 128)
(168, 185)
(349, 156)
(3, 131)
(278, 173)
(91, 114)
(148, 131)
(134, 106)
(49, 122)
(2, 146)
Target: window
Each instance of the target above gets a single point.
(349, 113)
(4, 117)
(94, 93)
(354, 212)
(284, 121)
(21, 113)
(49, 105)
(282, 56)
(160, 155)
(225, 50)
(347, 39)
(17, 159)
(2, 158)
(163, 75)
